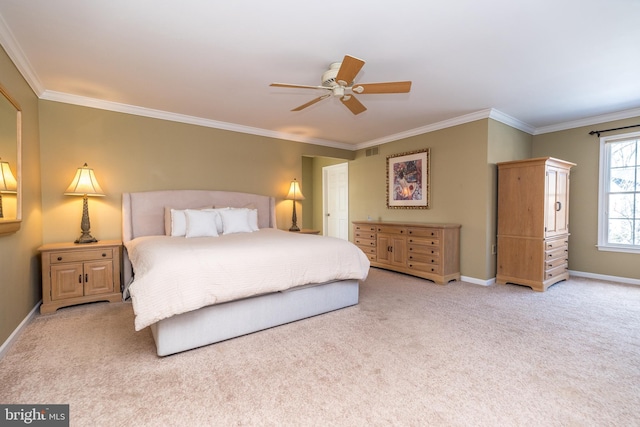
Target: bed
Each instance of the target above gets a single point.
(199, 288)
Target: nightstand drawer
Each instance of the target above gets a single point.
(76, 256)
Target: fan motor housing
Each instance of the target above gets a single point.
(329, 76)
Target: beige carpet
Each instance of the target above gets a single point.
(411, 354)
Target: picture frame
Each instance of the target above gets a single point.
(408, 181)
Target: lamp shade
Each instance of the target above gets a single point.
(8, 183)
(84, 183)
(294, 191)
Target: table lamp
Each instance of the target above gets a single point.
(8, 183)
(294, 194)
(85, 184)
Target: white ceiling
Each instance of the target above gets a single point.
(539, 65)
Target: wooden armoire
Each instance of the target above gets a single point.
(533, 222)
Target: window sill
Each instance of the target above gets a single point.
(625, 249)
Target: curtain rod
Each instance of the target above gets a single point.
(598, 132)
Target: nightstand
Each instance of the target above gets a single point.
(75, 273)
(308, 231)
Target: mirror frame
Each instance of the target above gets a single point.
(10, 226)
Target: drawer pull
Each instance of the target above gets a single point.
(104, 255)
(59, 258)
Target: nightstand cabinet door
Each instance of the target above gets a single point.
(98, 277)
(80, 273)
(66, 281)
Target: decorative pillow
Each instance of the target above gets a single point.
(253, 219)
(201, 223)
(235, 221)
(218, 218)
(175, 222)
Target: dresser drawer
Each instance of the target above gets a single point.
(424, 258)
(422, 241)
(561, 252)
(365, 234)
(368, 250)
(365, 242)
(413, 248)
(556, 244)
(554, 263)
(367, 228)
(424, 267)
(77, 256)
(391, 229)
(555, 272)
(425, 232)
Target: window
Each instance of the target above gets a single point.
(619, 194)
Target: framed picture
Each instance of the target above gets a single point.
(408, 180)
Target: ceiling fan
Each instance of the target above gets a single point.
(338, 81)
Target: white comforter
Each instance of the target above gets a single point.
(175, 275)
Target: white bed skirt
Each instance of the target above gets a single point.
(220, 322)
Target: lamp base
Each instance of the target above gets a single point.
(294, 228)
(85, 225)
(86, 238)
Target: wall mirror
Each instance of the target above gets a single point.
(10, 163)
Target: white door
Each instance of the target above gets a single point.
(335, 205)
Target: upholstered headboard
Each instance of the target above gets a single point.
(143, 212)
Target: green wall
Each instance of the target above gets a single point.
(459, 185)
(20, 287)
(577, 146)
(132, 153)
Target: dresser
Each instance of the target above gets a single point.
(533, 222)
(429, 251)
(75, 273)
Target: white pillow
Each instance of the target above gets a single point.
(200, 223)
(175, 222)
(218, 218)
(253, 219)
(235, 221)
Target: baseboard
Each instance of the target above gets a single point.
(605, 277)
(478, 281)
(14, 335)
(602, 277)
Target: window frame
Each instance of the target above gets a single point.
(603, 192)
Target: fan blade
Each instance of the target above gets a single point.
(348, 70)
(318, 99)
(353, 104)
(297, 86)
(389, 87)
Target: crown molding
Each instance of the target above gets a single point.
(182, 118)
(590, 121)
(13, 49)
(511, 121)
(489, 113)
